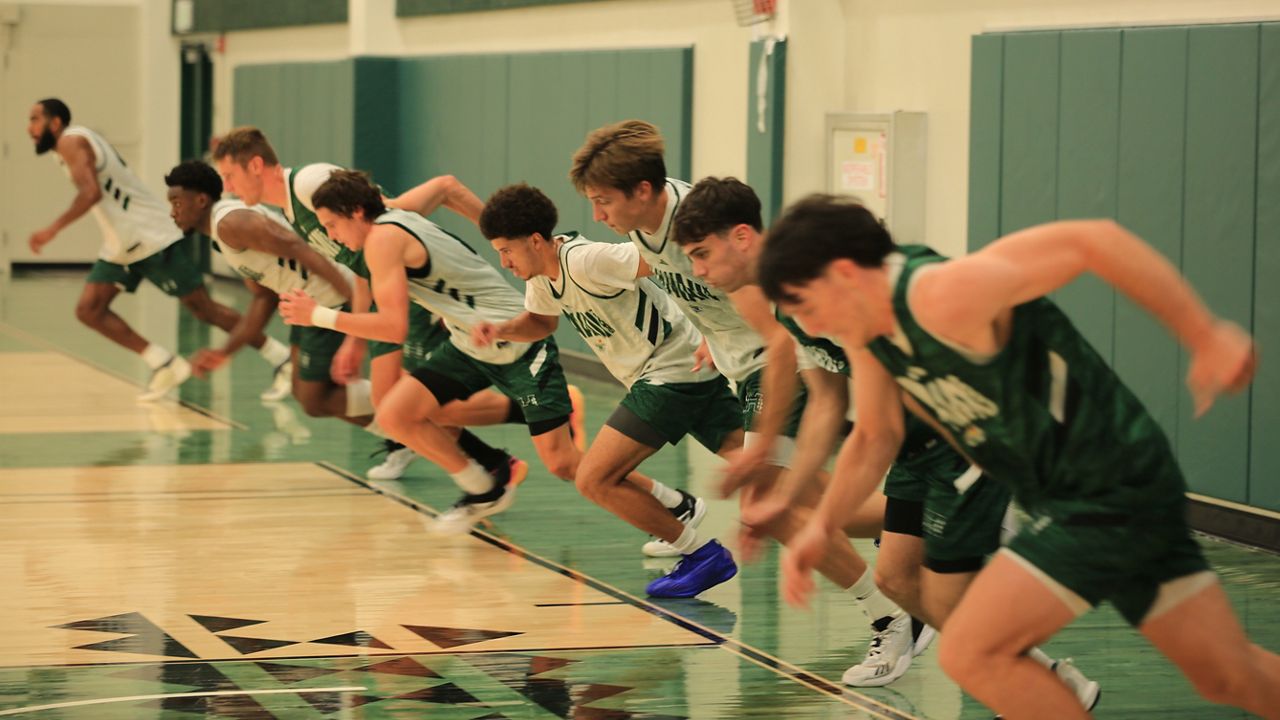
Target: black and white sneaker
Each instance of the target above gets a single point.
(690, 511)
(470, 509)
(398, 458)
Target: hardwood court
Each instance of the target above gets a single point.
(177, 575)
(83, 399)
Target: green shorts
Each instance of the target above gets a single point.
(962, 519)
(172, 270)
(909, 479)
(706, 410)
(1105, 554)
(751, 399)
(535, 381)
(316, 348)
(425, 335)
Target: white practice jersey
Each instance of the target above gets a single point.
(634, 327)
(737, 349)
(135, 223)
(460, 287)
(270, 271)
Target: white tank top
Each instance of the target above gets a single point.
(738, 350)
(273, 272)
(135, 223)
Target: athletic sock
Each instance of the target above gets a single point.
(873, 601)
(155, 356)
(665, 495)
(274, 352)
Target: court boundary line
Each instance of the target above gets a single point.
(32, 339)
(442, 652)
(754, 655)
(158, 696)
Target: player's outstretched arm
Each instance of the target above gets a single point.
(262, 305)
(78, 157)
(525, 327)
(249, 230)
(862, 462)
(444, 190)
(961, 299)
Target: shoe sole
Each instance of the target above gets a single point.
(899, 669)
(373, 473)
(1095, 696)
(153, 395)
(663, 549)
(578, 418)
(720, 581)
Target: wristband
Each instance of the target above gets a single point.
(324, 317)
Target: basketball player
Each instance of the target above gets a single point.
(936, 536)
(645, 342)
(138, 241)
(411, 259)
(621, 171)
(259, 245)
(996, 367)
(252, 171)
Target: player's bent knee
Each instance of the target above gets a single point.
(957, 658)
(898, 586)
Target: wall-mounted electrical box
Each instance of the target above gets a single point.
(880, 158)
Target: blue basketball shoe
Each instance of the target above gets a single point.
(704, 568)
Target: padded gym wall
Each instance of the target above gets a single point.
(1173, 132)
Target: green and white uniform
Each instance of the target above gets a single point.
(962, 507)
(270, 271)
(300, 185)
(640, 335)
(462, 289)
(316, 346)
(138, 236)
(1049, 418)
(737, 349)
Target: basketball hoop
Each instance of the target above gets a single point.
(753, 12)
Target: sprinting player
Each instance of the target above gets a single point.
(251, 170)
(974, 347)
(943, 517)
(645, 342)
(260, 246)
(138, 241)
(411, 259)
(620, 169)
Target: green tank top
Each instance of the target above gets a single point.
(308, 227)
(1046, 415)
(921, 444)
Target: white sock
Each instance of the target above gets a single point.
(871, 599)
(359, 398)
(374, 429)
(1038, 655)
(689, 542)
(665, 495)
(155, 356)
(473, 479)
(274, 352)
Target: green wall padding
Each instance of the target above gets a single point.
(305, 109)
(1218, 225)
(1089, 77)
(1028, 186)
(1152, 140)
(1173, 131)
(765, 149)
(1264, 465)
(406, 8)
(985, 131)
(227, 15)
